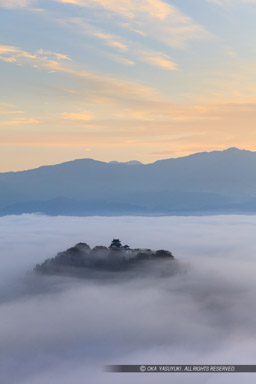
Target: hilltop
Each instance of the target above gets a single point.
(82, 261)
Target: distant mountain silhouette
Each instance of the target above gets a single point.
(203, 183)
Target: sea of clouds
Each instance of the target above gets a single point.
(63, 330)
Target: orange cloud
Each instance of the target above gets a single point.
(156, 19)
(161, 61)
(128, 8)
(19, 121)
(7, 49)
(85, 116)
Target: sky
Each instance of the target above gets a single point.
(124, 79)
(63, 330)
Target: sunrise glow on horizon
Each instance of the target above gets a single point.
(125, 79)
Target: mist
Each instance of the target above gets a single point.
(56, 329)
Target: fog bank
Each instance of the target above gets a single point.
(63, 330)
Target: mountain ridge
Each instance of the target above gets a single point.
(134, 162)
(201, 183)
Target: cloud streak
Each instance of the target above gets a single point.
(16, 3)
(231, 2)
(131, 49)
(40, 58)
(109, 86)
(152, 18)
(83, 116)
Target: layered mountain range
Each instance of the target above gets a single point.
(217, 182)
